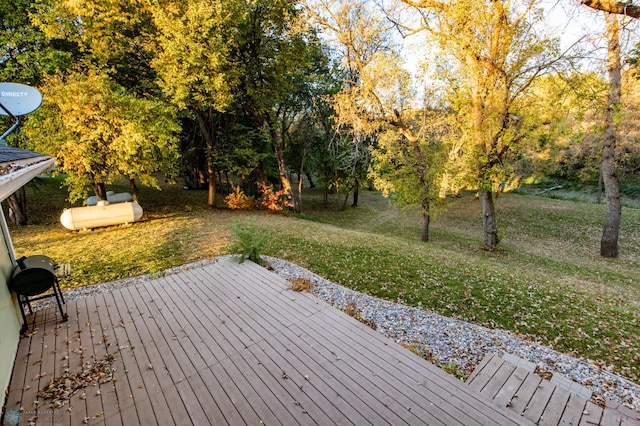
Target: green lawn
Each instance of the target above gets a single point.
(546, 281)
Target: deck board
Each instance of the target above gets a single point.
(541, 401)
(555, 408)
(452, 408)
(231, 344)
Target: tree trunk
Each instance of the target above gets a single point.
(426, 220)
(609, 241)
(614, 7)
(99, 190)
(300, 185)
(135, 193)
(311, 184)
(207, 133)
(356, 193)
(211, 195)
(342, 206)
(18, 207)
(489, 222)
(284, 176)
(282, 168)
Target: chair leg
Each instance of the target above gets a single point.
(25, 325)
(26, 301)
(59, 299)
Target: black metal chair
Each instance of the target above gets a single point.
(33, 276)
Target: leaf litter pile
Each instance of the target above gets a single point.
(62, 388)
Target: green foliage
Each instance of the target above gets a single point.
(27, 54)
(193, 46)
(99, 132)
(248, 242)
(395, 160)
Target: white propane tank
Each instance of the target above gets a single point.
(77, 218)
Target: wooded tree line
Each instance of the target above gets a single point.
(258, 89)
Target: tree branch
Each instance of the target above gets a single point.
(612, 6)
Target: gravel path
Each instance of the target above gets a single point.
(447, 340)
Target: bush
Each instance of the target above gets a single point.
(238, 200)
(272, 201)
(248, 242)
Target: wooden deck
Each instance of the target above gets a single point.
(513, 384)
(231, 344)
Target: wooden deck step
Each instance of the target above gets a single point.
(512, 383)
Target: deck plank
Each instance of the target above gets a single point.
(498, 380)
(539, 401)
(455, 400)
(314, 400)
(339, 376)
(573, 411)
(168, 369)
(81, 351)
(511, 387)
(99, 325)
(486, 374)
(591, 414)
(479, 367)
(183, 367)
(140, 374)
(208, 333)
(555, 408)
(397, 396)
(610, 417)
(521, 399)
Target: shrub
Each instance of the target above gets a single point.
(247, 243)
(272, 201)
(238, 200)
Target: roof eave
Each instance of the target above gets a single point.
(11, 182)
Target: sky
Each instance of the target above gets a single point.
(572, 21)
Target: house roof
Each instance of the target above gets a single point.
(19, 166)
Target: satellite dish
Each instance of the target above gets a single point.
(18, 99)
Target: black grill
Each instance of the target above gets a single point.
(33, 276)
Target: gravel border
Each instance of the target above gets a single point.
(447, 340)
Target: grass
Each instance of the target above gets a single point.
(546, 282)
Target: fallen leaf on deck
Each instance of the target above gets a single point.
(62, 388)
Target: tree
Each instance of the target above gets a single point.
(113, 85)
(282, 58)
(194, 43)
(564, 118)
(26, 56)
(396, 161)
(114, 38)
(497, 54)
(376, 90)
(609, 240)
(237, 63)
(99, 132)
(611, 9)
